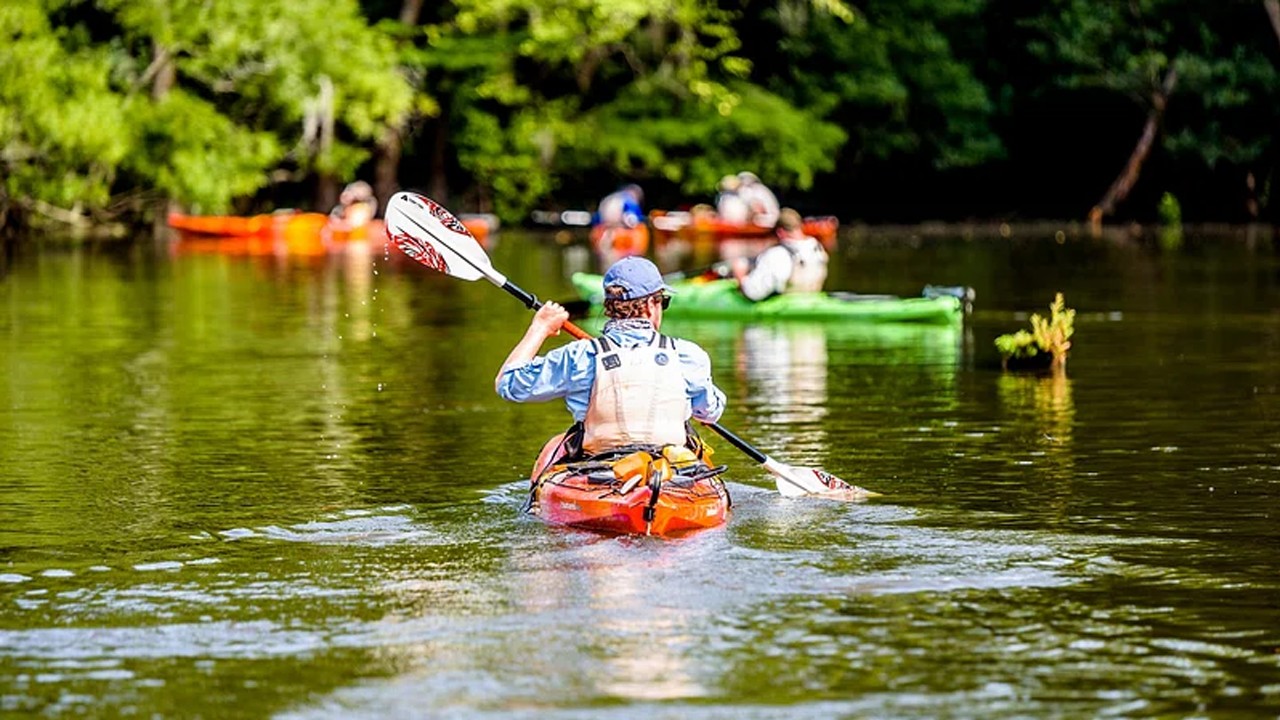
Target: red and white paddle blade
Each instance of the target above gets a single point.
(805, 481)
(431, 235)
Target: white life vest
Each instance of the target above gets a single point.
(638, 397)
(732, 208)
(762, 204)
(808, 265)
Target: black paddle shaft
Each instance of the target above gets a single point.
(739, 443)
(529, 299)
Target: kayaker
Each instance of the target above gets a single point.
(356, 206)
(762, 204)
(730, 206)
(796, 264)
(632, 385)
(617, 230)
(622, 208)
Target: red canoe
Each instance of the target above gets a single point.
(693, 229)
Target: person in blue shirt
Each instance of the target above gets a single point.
(621, 208)
(618, 225)
(632, 386)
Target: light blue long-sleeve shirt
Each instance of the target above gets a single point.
(569, 372)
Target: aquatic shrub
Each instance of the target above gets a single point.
(1170, 222)
(1047, 343)
(1170, 210)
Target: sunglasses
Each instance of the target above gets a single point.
(666, 301)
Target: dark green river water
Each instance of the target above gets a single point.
(240, 486)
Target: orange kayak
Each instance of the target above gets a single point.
(300, 228)
(664, 494)
(238, 226)
(620, 241)
(690, 228)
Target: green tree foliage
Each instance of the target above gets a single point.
(693, 144)
(891, 72)
(238, 105)
(646, 90)
(200, 101)
(60, 118)
(1226, 101)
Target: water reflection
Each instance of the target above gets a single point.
(1041, 415)
(639, 633)
(275, 485)
(1042, 402)
(788, 365)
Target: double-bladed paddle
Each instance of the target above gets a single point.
(432, 236)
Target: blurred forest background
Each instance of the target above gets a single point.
(113, 111)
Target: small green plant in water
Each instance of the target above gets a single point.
(1048, 341)
(1170, 210)
(1170, 222)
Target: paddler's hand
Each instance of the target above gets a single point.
(549, 318)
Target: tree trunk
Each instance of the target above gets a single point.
(4, 214)
(164, 72)
(1273, 12)
(390, 147)
(438, 185)
(386, 168)
(326, 195)
(163, 79)
(1119, 189)
(1251, 196)
(410, 12)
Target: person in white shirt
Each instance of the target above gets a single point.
(731, 207)
(762, 204)
(356, 206)
(797, 264)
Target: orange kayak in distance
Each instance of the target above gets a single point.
(299, 228)
(668, 226)
(620, 242)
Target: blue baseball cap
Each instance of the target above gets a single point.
(637, 277)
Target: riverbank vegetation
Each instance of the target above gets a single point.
(879, 110)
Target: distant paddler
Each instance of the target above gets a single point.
(356, 207)
(797, 263)
(762, 204)
(618, 230)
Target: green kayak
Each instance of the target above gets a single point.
(721, 299)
